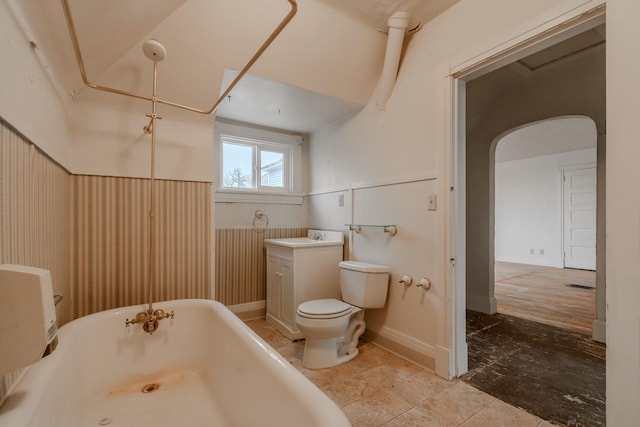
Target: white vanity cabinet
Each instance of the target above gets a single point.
(298, 270)
(280, 289)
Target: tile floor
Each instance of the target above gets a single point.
(378, 388)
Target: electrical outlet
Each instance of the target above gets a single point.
(340, 199)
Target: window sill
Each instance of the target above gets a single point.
(250, 197)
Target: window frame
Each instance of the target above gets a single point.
(262, 140)
(258, 146)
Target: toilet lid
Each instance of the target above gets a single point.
(324, 308)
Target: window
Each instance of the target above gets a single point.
(254, 165)
(257, 165)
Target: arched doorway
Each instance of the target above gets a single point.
(508, 99)
(489, 104)
(544, 222)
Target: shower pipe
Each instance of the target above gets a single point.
(149, 318)
(254, 58)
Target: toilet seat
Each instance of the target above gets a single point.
(324, 309)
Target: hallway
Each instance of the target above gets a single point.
(536, 353)
(555, 374)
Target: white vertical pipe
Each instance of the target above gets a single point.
(398, 23)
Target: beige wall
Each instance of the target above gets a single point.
(34, 218)
(109, 255)
(30, 99)
(402, 155)
(241, 262)
(409, 322)
(91, 233)
(623, 211)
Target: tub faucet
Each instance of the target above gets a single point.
(149, 319)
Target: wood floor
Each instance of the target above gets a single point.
(553, 373)
(542, 294)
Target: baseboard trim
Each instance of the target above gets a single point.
(534, 260)
(482, 304)
(249, 310)
(599, 331)
(443, 361)
(405, 346)
(462, 362)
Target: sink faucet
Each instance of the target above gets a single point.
(316, 235)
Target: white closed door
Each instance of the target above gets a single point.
(580, 218)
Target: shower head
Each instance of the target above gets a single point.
(154, 50)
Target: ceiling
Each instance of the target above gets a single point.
(558, 136)
(576, 45)
(259, 100)
(95, 23)
(256, 99)
(274, 104)
(587, 43)
(109, 34)
(377, 12)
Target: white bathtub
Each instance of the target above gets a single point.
(211, 368)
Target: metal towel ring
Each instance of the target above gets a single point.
(262, 216)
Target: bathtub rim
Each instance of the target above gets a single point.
(19, 413)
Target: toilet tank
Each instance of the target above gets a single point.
(364, 285)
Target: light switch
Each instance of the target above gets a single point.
(432, 202)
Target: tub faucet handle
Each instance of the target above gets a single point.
(406, 280)
(149, 319)
(424, 283)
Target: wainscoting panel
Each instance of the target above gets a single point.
(241, 262)
(110, 242)
(34, 218)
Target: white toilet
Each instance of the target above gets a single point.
(332, 327)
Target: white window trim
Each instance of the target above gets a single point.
(276, 147)
(291, 194)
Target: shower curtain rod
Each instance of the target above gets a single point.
(149, 318)
(254, 58)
